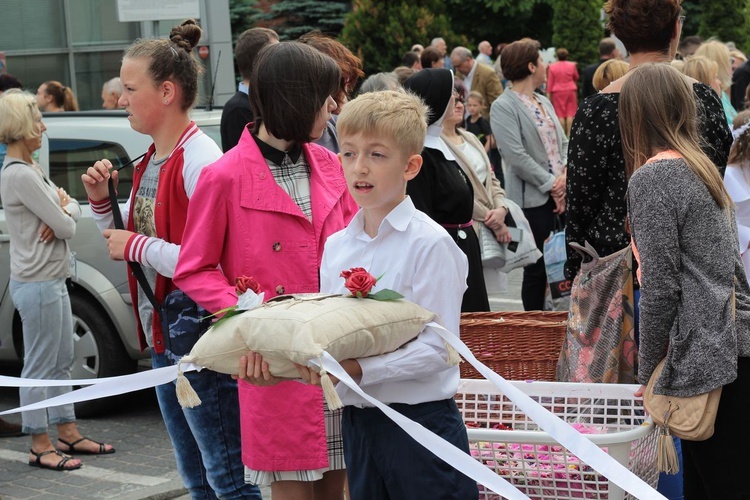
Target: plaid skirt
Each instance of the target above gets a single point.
(335, 444)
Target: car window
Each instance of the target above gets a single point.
(69, 159)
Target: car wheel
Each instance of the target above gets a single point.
(98, 350)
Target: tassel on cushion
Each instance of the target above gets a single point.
(186, 395)
(453, 357)
(329, 392)
(666, 452)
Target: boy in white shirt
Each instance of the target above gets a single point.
(381, 135)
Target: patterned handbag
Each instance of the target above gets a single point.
(599, 343)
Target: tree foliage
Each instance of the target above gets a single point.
(242, 16)
(500, 22)
(293, 18)
(728, 20)
(577, 26)
(380, 32)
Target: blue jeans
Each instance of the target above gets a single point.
(47, 320)
(206, 439)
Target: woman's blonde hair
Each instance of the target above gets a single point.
(701, 68)
(719, 53)
(609, 71)
(658, 111)
(18, 116)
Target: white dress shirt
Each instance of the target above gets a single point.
(417, 258)
(468, 79)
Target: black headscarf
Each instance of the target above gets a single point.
(435, 87)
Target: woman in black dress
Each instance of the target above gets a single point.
(442, 190)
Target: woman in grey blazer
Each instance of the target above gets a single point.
(534, 148)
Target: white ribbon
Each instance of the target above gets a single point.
(559, 430)
(98, 388)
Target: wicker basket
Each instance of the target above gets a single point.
(521, 345)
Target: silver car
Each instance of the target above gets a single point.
(106, 342)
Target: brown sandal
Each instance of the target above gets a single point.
(72, 447)
(60, 466)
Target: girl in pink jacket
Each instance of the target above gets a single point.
(264, 210)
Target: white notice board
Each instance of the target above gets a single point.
(148, 10)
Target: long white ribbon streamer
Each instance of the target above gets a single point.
(561, 431)
(6, 381)
(112, 386)
(452, 455)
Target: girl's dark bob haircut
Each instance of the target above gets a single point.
(289, 85)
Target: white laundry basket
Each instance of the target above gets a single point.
(533, 461)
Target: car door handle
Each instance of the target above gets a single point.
(4, 237)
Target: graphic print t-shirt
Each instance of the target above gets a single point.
(143, 220)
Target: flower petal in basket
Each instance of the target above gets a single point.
(297, 328)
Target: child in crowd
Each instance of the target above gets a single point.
(480, 127)
(264, 210)
(381, 135)
(737, 181)
(476, 123)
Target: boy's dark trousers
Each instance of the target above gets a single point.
(384, 463)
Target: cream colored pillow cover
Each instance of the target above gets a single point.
(297, 328)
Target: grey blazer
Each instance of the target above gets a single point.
(527, 177)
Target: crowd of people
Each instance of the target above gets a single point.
(402, 172)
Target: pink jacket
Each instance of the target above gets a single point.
(242, 223)
(562, 77)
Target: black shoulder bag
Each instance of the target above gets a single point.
(182, 320)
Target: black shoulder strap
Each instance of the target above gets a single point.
(135, 267)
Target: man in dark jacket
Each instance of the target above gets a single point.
(607, 50)
(237, 113)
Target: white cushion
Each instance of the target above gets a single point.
(296, 328)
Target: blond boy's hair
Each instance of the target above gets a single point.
(399, 116)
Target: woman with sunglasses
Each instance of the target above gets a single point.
(489, 197)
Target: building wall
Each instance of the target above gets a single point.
(80, 43)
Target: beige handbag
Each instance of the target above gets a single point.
(691, 418)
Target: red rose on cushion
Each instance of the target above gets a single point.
(245, 283)
(346, 274)
(358, 281)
